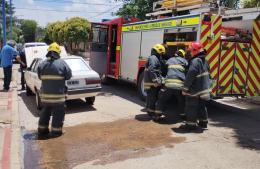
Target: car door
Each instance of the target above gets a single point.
(28, 75)
(34, 76)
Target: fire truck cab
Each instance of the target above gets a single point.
(120, 48)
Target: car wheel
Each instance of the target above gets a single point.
(28, 91)
(140, 85)
(90, 100)
(38, 100)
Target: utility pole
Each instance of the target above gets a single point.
(4, 22)
(11, 20)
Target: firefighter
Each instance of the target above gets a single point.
(173, 83)
(196, 88)
(53, 72)
(153, 77)
(23, 67)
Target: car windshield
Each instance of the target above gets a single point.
(77, 64)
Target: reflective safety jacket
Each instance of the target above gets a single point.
(176, 72)
(53, 73)
(197, 82)
(152, 72)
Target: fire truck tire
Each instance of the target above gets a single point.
(140, 85)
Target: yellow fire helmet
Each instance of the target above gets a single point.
(160, 49)
(181, 52)
(54, 47)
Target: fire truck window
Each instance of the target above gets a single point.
(95, 35)
(103, 36)
(181, 37)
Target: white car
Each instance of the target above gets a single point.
(85, 82)
(34, 44)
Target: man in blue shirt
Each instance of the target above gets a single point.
(8, 53)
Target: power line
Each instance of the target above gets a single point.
(101, 13)
(83, 3)
(54, 10)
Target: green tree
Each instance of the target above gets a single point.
(136, 8)
(250, 3)
(28, 28)
(76, 30)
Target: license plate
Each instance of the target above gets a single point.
(73, 82)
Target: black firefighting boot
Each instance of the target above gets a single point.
(157, 117)
(203, 124)
(189, 126)
(151, 114)
(43, 132)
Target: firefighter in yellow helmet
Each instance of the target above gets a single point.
(153, 77)
(53, 72)
(176, 67)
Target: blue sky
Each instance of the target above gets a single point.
(47, 11)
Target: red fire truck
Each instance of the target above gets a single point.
(120, 47)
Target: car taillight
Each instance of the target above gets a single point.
(92, 81)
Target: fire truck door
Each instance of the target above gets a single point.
(240, 68)
(98, 48)
(227, 57)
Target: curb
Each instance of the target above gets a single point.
(226, 106)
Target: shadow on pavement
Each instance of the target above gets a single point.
(73, 106)
(245, 125)
(29, 102)
(124, 90)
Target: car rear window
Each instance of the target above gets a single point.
(77, 64)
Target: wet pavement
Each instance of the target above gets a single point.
(100, 142)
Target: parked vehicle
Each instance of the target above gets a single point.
(120, 47)
(85, 82)
(39, 52)
(33, 44)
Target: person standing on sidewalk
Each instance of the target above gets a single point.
(53, 72)
(197, 88)
(8, 53)
(21, 51)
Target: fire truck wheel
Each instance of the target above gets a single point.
(141, 91)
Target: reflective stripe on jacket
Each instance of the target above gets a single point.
(197, 82)
(176, 72)
(53, 74)
(152, 72)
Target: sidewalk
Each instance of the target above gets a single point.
(249, 105)
(9, 125)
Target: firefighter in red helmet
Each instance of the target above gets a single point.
(197, 88)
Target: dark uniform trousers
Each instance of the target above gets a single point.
(152, 96)
(58, 114)
(195, 109)
(7, 77)
(166, 94)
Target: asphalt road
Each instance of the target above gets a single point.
(114, 133)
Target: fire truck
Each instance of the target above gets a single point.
(120, 47)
